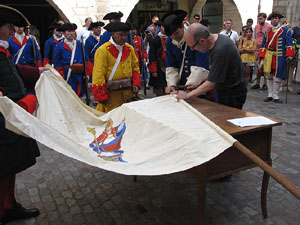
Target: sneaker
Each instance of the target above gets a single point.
(256, 86)
(264, 87)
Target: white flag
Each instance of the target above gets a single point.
(148, 137)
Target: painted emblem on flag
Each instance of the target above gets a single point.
(108, 143)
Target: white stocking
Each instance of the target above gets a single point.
(270, 87)
(276, 86)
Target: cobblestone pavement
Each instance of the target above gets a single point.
(70, 192)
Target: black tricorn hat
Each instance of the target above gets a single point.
(173, 20)
(275, 14)
(54, 26)
(13, 16)
(117, 26)
(67, 26)
(96, 24)
(113, 15)
(205, 22)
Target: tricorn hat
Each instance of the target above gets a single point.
(117, 26)
(96, 24)
(113, 15)
(54, 26)
(13, 16)
(275, 14)
(67, 26)
(173, 20)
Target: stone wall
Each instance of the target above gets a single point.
(76, 11)
(290, 8)
(230, 11)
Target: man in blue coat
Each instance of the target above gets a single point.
(92, 43)
(111, 17)
(276, 49)
(182, 61)
(24, 49)
(67, 58)
(51, 44)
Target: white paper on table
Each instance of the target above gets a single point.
(251, 121)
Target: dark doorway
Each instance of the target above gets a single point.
(144, 10)
(38, 12)
(213, 11)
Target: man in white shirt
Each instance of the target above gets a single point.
(233, 35)
(84, 32)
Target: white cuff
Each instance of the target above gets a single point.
(197, 75)
(172, 76)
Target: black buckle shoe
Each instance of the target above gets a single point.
(264, 87)
(277, 101)
(268, 99)
(256, 86)
(18, 212)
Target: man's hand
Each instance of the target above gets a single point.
(1, 94)
(289, 59)
(42, 69)
(190, 87)
(180, 95)
(168, 90)
(135, 89)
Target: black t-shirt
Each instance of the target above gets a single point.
(226, 68)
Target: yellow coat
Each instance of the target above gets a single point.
(105, 58)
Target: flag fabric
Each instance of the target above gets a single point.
(148, 137)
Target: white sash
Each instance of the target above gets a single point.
(20, 53)
(273, 38)
(116, 65)
(72, 59)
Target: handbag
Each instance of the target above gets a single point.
(121, 84)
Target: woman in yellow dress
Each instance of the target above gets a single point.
(247, 48)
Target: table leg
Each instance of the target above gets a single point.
(201, 186)
(264, 190)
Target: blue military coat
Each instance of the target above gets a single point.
(192, 58)
(62, 58)
(90, 47)
(49, 49)
(27, 56)
(282, 46)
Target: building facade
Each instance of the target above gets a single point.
(140, 12)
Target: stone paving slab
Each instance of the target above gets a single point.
(70, 192)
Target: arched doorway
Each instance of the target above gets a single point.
(39, 13)
(144, 10)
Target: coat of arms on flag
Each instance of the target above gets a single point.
(108, 144)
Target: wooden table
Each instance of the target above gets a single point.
(257, 138)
